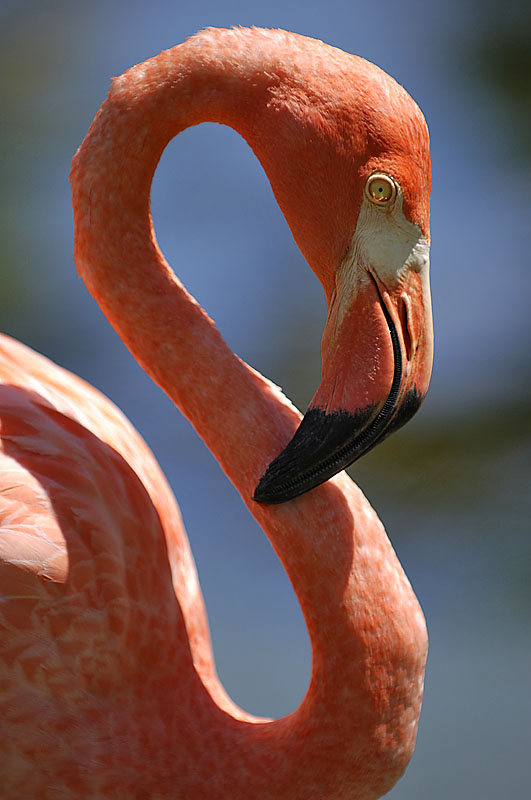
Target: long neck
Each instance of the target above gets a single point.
(117, 255)
(366, 629)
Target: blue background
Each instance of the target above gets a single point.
(453, 487)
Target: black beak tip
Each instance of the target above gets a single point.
(312, 456)
(324, 444)
(268, 494)
(261, 495)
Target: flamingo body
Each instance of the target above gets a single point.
(107, 682)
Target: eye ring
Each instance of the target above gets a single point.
(380, 189)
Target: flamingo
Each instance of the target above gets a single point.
(108, 684)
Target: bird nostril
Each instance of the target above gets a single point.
(404, 324)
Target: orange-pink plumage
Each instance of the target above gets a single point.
(107, 682)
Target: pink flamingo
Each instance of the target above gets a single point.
(107, 681)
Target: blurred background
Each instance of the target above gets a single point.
(453, 487)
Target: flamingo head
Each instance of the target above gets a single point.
(353, 180)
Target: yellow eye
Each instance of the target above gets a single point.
(380, 189)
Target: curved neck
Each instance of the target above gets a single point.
(118, 257)
(366, 629)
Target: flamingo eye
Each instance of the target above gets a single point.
(380, 189)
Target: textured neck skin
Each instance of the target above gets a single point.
(354, 732)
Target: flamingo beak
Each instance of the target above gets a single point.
(376, 363)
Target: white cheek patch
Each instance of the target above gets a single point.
(389, 243)
(385, 243)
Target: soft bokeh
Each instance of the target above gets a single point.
(453, 487)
